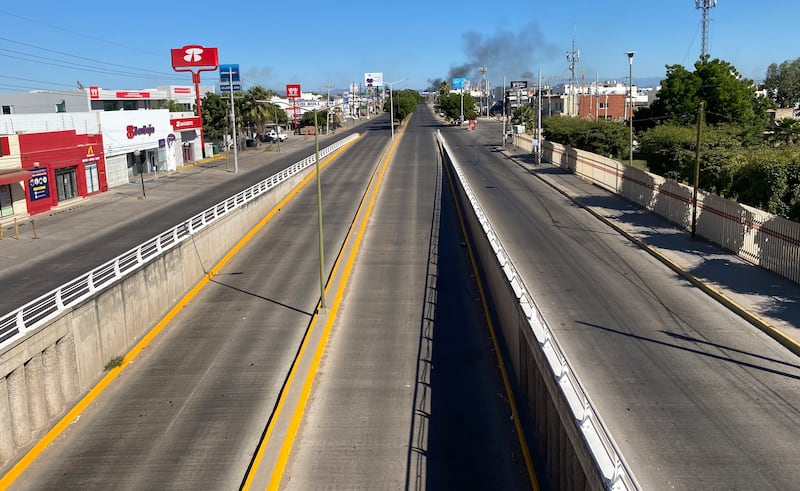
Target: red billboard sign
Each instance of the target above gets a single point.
(292, 91)
(186, 123)
(192, 57)
(94, 92)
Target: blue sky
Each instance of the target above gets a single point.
(123, 45)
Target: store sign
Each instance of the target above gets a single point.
(373, 79)
(39, 184)
(181, 124)
(94, 92)
(292, 91)
(194, 56)
(90, 155)
(181, 90)
(124, 94)
(133, 131)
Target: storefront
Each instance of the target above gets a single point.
(136, 142)
(188, 129)
(62, 166)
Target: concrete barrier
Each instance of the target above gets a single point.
(579, 452)
(43, 374)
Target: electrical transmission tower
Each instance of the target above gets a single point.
(705, 6)
(572, 57)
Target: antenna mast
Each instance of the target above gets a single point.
(572, 57)
(705, 6)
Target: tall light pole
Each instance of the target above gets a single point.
(391, 102)
(630, 95)
(319, 214)
(233, 124)
(138, 155)
(484, 91)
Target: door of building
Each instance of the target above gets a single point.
(92, 180)
(66, 183)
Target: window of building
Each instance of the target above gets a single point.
(603, 105)
(61, 107)
(6, 109)
(129, 105)
(109, 105)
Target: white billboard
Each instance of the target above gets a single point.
(373, 79)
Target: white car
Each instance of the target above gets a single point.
(275, 136)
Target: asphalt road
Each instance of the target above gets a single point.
(409, 395)
(409, 392)
(80, 236)
(695, 397)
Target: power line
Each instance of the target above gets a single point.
(59, 28)
(104, 63)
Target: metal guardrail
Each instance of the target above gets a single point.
(615, 472)
(41, 310)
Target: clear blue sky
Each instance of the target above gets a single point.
(123, 45)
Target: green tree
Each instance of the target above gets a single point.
(216, 121)
(525, 116)
(607, 138)
(786, 132)
(728, 97)
(783, 83)
(405, 102)
(450, 105)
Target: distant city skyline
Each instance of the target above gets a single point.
(52, 46)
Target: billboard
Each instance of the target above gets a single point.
(374, 79)
(519, 84)
(194, 56)
(461, 83)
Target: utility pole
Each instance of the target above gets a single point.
(572, 57)
(484, 92)
(504, 110)
(700, 114)
(539, 121)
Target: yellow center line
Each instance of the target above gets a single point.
(9, 477)
(294, 424)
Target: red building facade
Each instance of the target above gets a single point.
(613, 107)
(64, 166)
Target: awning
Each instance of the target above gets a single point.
(15, 176)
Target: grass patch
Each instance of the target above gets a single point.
(113, 363)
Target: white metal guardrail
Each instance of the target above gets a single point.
(41, 310)
(609, 460)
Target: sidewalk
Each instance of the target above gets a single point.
(765, 299)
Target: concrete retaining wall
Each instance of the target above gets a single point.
(45, 374)
(569, 461)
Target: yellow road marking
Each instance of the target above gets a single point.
(297, 415)
(95, 391)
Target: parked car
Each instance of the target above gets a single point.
(277, 135)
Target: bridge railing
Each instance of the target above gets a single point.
(36, 313)
(609, 461)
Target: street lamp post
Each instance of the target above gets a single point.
(630, 96)
(138, 155)
(391, 102)
(319, 214)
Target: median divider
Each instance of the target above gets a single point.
(580, 452)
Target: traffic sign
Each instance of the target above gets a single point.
(228, 73)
